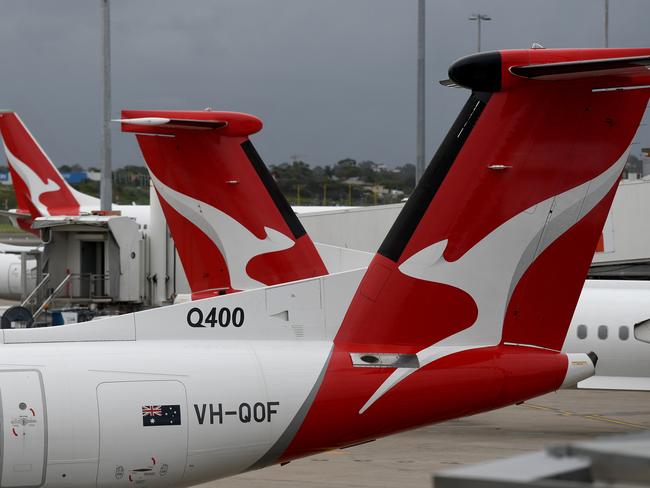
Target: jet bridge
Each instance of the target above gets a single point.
(91, 259)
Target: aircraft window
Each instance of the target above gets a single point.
(602, 332)
(623, 333)
(582, 331)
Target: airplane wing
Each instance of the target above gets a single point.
(11, 214)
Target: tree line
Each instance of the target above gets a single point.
(347, 182)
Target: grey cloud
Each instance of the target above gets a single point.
(330, 78)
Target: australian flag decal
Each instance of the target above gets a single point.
(161, 415)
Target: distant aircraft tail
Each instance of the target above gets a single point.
(477, 280)
(209, 176)
(40, 189)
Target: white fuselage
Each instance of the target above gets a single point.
(234, 400)
(11, 283)
(612, 307)
(74, 397)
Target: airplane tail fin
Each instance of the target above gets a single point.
(494, 244)
(209, 176)
(40, 188)
(466, 305)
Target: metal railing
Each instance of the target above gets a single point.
(85, 286)
(47, 301)
(88, 286)
(75, 286)
(33, 294)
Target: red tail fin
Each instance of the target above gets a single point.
(492, 249)
(209, 176)
(495, 242)
(40, 188)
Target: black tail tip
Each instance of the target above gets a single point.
(594, 357)
(479, 72)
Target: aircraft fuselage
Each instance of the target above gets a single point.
(115, 401)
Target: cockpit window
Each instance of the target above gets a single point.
(623, 332)
(602, 332)
(582, 331)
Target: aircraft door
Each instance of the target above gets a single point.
(92, 269)
(142, 433)
(23, 429)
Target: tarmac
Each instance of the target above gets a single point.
(410, 459)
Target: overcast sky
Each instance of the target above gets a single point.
(329, 78)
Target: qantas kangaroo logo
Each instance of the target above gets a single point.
(511, 249)
(34, 183)
(236, 243)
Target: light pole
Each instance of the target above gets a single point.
(479, 18)
(106, 183)
(420, 131)
(606, 23)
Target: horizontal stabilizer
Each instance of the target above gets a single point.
(14, 214)
(190, 124)
(630, 68)
(173, 122)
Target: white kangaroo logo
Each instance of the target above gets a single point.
(236, 243)
(34, 183)
(490, 271)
